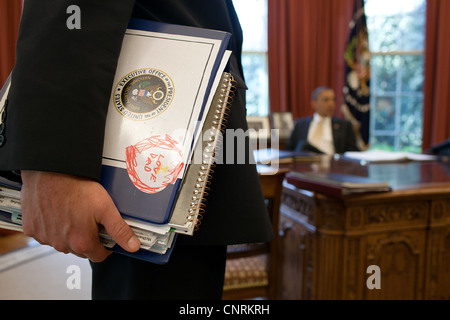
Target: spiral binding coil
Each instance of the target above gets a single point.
(197, 205)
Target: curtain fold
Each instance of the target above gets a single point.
(436, 108)
(10, 13)
(306, 44)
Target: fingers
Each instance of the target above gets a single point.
(65, 212)
(95, 251)
(99, 253)
(119, 230)
(83, 244)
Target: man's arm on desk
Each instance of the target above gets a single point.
(64, 211)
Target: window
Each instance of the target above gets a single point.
(253, 18)
(397, 40)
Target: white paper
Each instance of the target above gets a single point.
(184, 65)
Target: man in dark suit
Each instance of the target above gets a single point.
(322, 133)
(54, 129)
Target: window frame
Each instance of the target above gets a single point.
(397, 96)
(262, 107)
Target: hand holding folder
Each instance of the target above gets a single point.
(61, 213)
(147, 173)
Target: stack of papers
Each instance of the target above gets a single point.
(274, 156)
(388, 156)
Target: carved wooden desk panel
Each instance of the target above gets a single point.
(329, 242)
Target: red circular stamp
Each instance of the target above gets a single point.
(154, 163)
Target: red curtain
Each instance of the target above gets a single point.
(307, 40)
(306, 44)
(436, 126)
(10, 12)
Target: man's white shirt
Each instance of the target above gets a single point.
(325, 142)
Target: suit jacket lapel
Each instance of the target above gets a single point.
(305, 129)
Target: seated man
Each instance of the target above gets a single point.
(323, 133)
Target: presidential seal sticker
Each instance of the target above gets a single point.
(143, 94)
(154, 163)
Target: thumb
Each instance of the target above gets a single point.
(120, 231)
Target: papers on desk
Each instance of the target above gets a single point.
(273, 156)
(336, 184)
(379, 156)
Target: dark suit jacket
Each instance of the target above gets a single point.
(343, 136)
(61, 85)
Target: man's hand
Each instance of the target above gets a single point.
(64, 212)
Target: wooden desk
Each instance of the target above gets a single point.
(327, 243)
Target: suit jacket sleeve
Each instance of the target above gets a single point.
(299, 135)
(351, 144)
(61, 85)
(344, 137)
(292, 141)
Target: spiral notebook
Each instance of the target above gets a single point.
(198, 175)
(158, 240)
